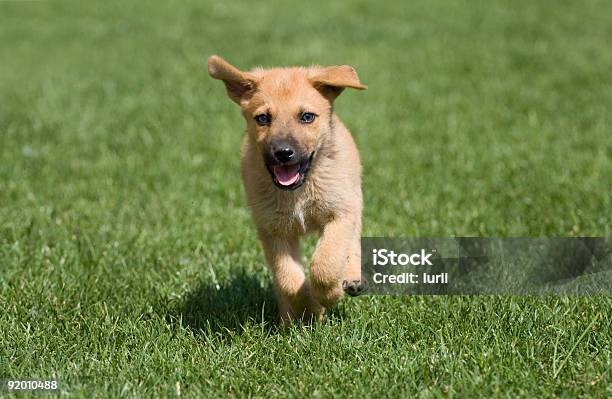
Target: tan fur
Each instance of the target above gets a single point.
(329, 203)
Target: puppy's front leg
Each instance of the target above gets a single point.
(292, 289)
(352, 283)
(331, 259)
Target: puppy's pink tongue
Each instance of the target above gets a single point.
(287, 174)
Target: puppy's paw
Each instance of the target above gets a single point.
(355, 287)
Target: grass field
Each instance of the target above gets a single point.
(128, 262)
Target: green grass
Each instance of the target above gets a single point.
(128, 261)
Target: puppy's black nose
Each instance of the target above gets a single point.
(284, 154)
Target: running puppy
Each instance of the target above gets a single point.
(302, 174)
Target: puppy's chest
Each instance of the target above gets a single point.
(301, 215)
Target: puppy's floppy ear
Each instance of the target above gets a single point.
(237, 83)
(331, 81)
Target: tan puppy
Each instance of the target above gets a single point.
(302, 174)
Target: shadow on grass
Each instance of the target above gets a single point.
(226, 309)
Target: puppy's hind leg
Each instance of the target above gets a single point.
(295, 300)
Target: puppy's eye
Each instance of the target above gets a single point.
(307, 117)
(263, 119)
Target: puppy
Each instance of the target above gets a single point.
(301, 174)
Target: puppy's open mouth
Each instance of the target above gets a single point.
(290, 176)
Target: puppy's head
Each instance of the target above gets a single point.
(288, 112)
